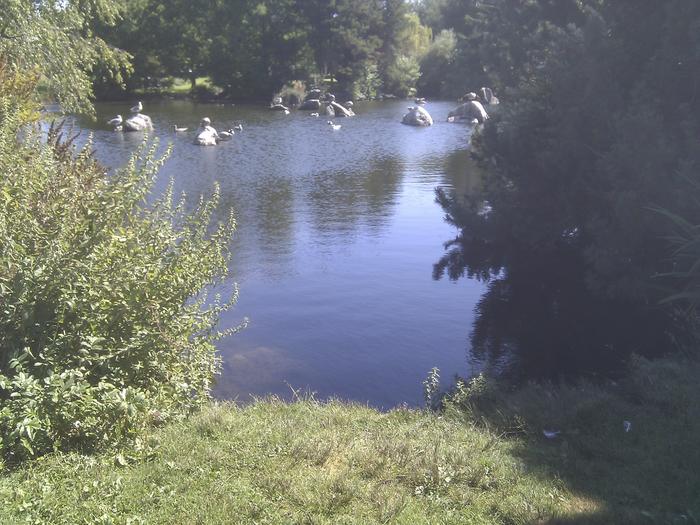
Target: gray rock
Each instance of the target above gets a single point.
(470, 110)
(341, 111)
(312, 104)
(138, 122)
(417, 116)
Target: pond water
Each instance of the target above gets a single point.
(337, 235)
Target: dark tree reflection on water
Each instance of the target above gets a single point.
(538, 318)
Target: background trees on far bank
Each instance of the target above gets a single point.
(251, 48)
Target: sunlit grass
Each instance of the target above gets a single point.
(338, 463)
(184, 86)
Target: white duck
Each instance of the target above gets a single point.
(116, 121)
(137, 108)
(313, 114)
(239, 127)
(335, 127)
(226, 135)
(176, 129)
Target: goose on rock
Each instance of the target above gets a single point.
(137, 108)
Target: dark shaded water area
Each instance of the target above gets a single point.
(337, 235)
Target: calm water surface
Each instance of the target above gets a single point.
(338, 232)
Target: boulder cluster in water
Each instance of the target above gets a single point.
(471, 109)
(315, 101)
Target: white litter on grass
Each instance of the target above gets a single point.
(551, 434)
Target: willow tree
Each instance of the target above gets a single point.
(54, 39)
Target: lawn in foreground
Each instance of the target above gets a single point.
(483, 460)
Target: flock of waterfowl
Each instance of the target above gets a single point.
(471, 109)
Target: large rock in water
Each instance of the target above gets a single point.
(341, 111)
(313, 94)
(312, 104)
(138, 122)
(472, 110)
(417, 116)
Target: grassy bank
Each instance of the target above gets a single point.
(483, 460)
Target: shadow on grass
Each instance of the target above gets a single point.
(626, 452)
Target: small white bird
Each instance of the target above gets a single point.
(137, 108)
(313, 114)
(176, 129)
(286, 112)
(239, 127)
(116, 121)
(335, 127)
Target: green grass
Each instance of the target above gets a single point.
(183, 86)
(180, 87)
(483, 460)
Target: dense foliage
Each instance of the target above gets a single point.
(599, 123)
(104, 324)
(107, 320)
(54, 39)
(251, 48)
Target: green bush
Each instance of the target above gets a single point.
(437, 67)
(402, 75)
(106, 319)
(292, 93)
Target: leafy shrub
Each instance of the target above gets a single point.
(368, 85)
(402, 75)
(292, 93)
(437, 66)
(105, 317)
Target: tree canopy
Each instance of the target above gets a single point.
(599, 124)
(251, 48)
(56, 40)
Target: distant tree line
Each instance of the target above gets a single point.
(251, 48)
